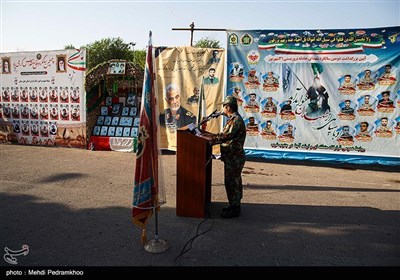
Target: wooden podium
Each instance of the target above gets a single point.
(193, 174)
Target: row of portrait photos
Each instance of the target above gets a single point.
(41, 94)
(116, 120)
(115, 131)
(116, 126)
(35, 128)
(63, 112)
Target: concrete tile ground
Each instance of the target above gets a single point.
(73, 208)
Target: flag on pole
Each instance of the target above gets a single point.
(288, 79)
(201, 112)
(146, 190)
(317, 69)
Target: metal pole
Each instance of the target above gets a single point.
(156, 221)
(192, 29)
(133, 49)
(156, 245)
(191, 35)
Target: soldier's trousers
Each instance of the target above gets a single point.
(233, 180)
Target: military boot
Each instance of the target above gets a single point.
(231, 212)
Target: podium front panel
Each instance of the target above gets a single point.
(193, 175)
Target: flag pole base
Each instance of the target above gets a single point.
(156, 246)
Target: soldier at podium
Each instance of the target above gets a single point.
(232, 154)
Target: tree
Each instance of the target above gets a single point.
(111, 48)
(69, 47)
(140, 58)
(106, 49)
(207, 42)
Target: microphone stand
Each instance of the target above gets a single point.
(208, 118)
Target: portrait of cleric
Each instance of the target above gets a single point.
(175, 116)
(61, 65)
(6, 65)
(236, 72)
(318, 99)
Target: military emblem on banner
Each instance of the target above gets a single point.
(253, 56)
(246, 40)
(233, 39)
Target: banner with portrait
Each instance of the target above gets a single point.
(320, 91)
(42, 100)
(181, 73)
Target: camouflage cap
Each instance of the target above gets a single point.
(229, 100)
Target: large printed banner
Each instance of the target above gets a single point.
(182, 72)
(325, 91)
(42, 100)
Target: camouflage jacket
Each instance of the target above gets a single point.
(232, 138)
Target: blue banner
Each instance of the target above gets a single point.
(322, 91)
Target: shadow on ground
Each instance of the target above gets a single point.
(264, 235)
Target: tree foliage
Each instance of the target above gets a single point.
(115, 48)
(140, 58)
(69, 47)
(112, 48)
(207, 42)
(106, 49)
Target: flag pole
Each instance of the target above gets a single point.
(147, 195)
(156, 245)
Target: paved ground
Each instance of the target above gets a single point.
(73, 208)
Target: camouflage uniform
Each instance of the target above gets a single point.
(232, 154)
(185, 117)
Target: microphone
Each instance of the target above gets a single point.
(212, 114)
(216, 114)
